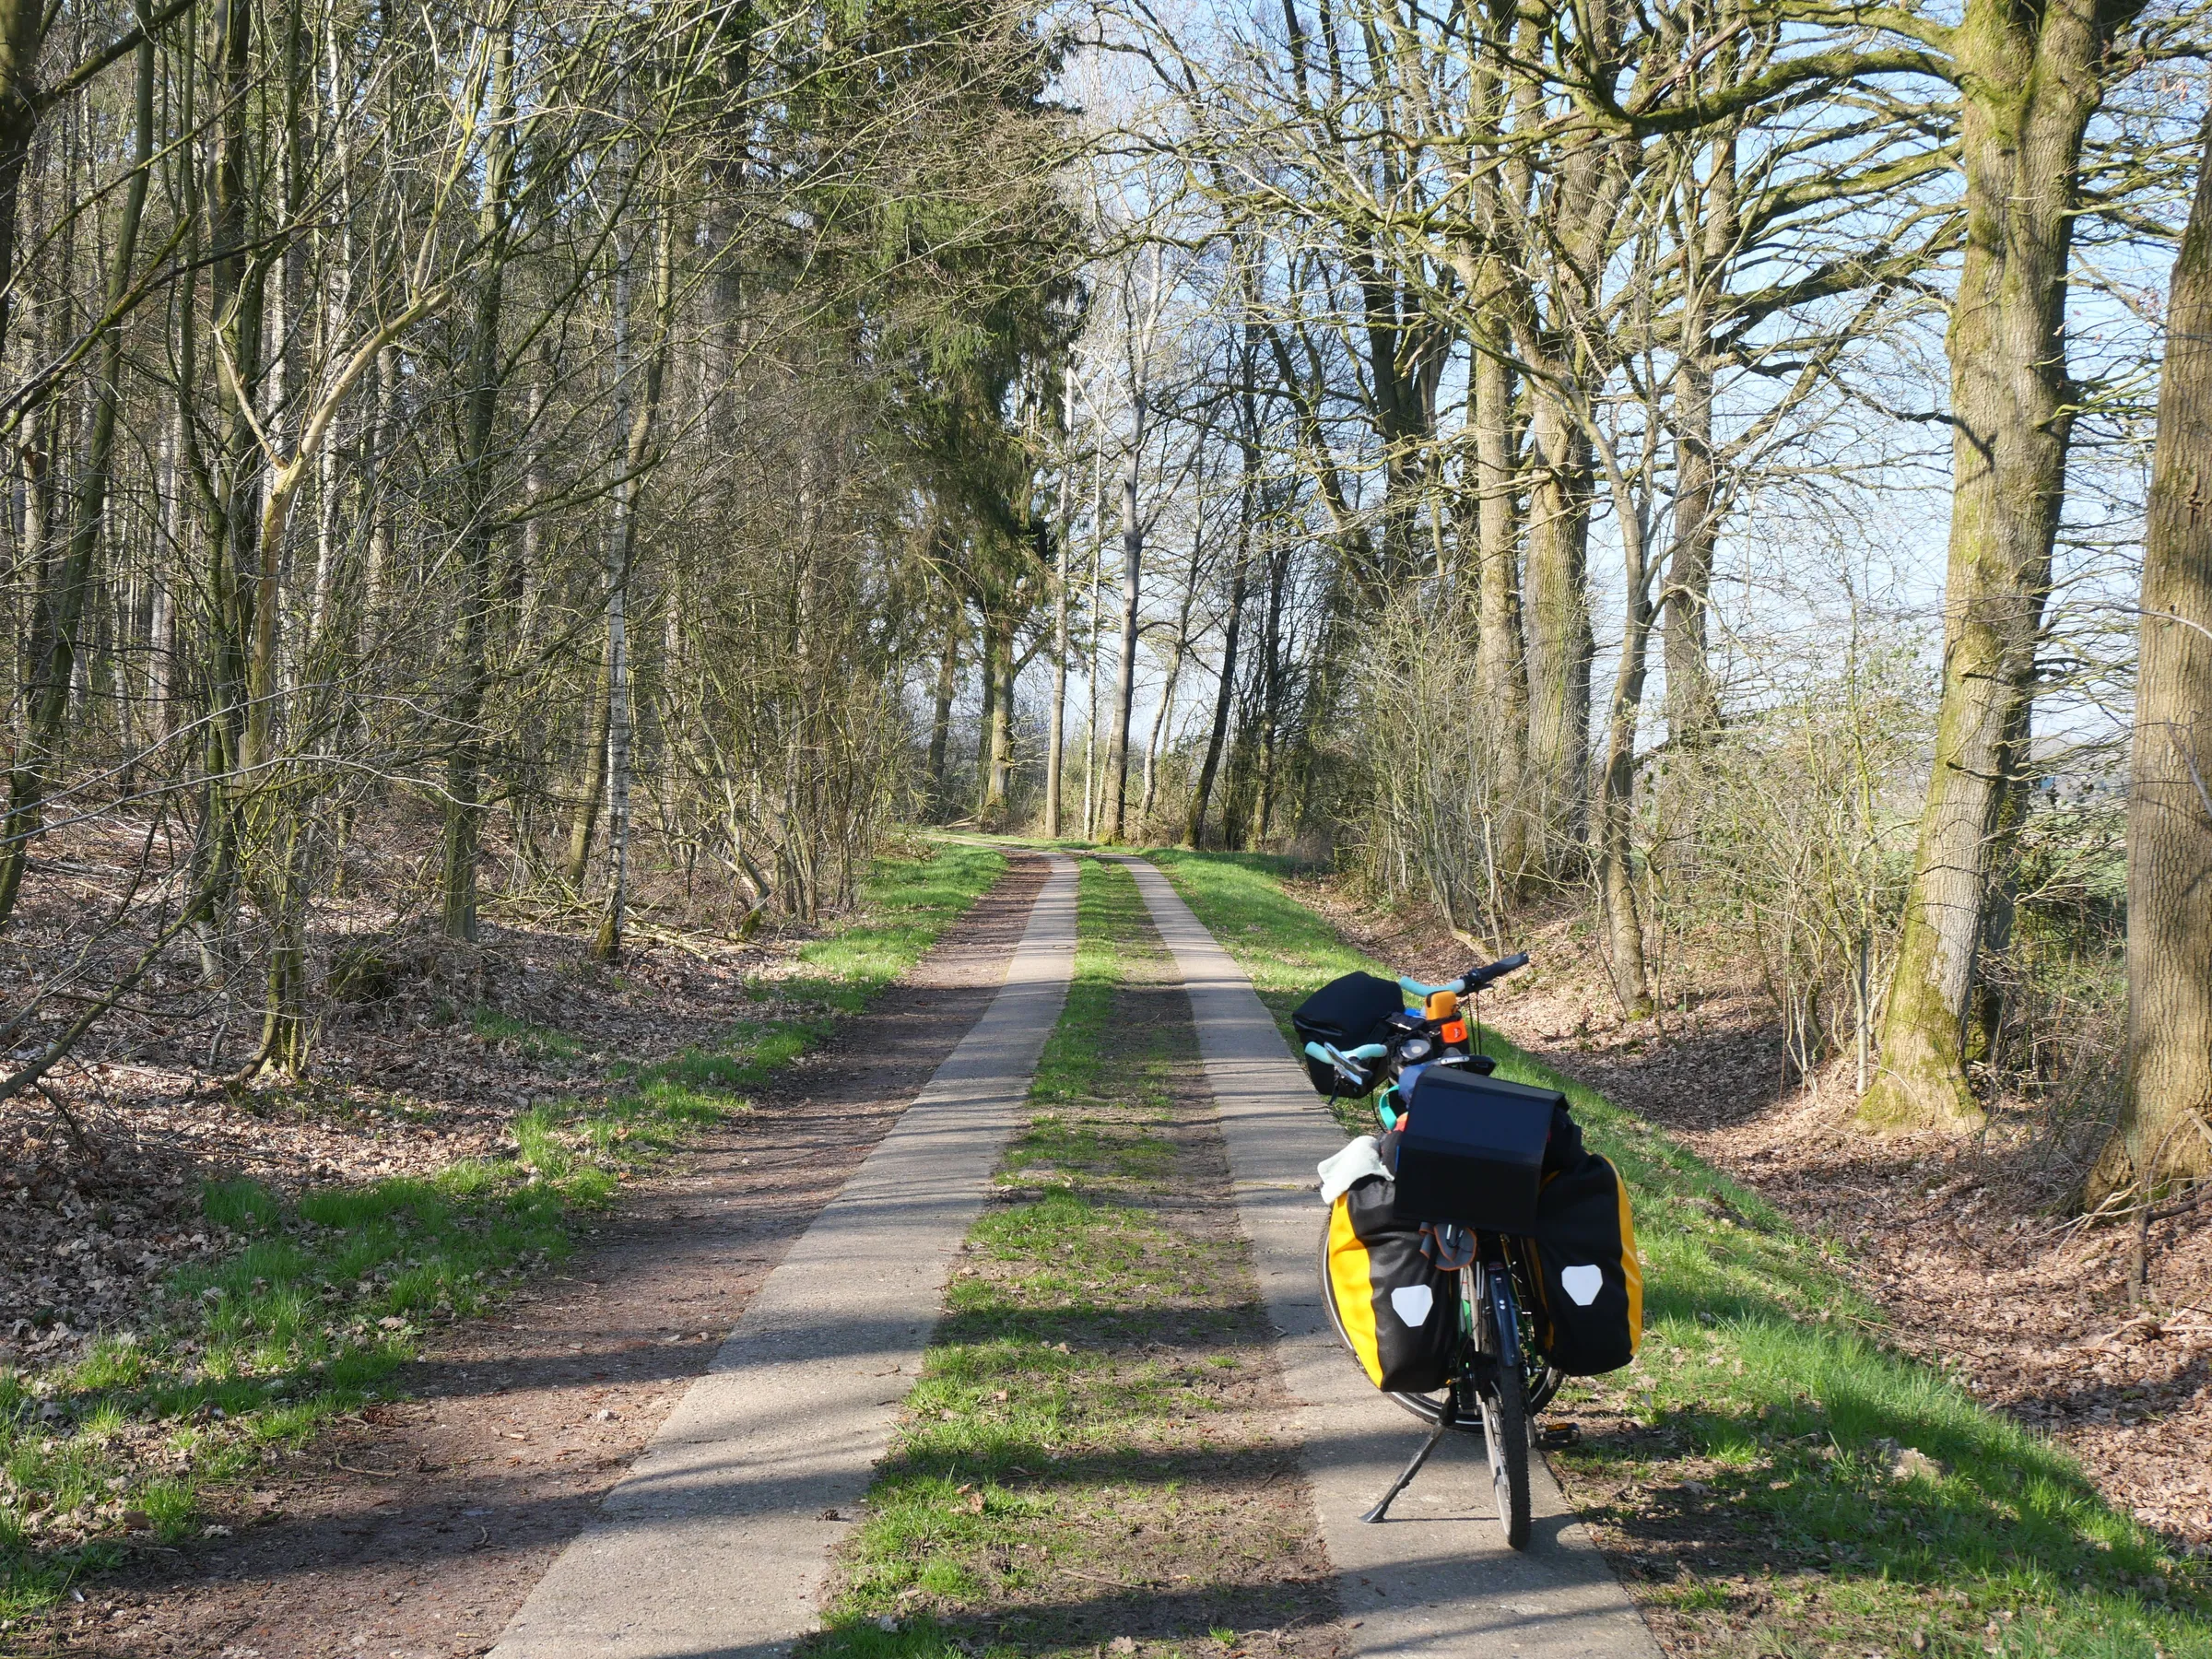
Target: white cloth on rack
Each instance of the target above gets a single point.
(1343, 1169)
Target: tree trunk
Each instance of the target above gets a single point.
(585, 823)
(621, 557)
(995, 746)
(1694, 711)
(376, 578)
(1090, 679)
(22, 32)
(1164, 715)
(464, 762)
(1002, 734)
(940, 727)
(989, 719)
(1557, 616)
(2165, 1131)
(32, 774)
(1501, 668)
(1124, 680)
(1616, 782)
(1248, 506)
(2030, 84)
(1056, 736)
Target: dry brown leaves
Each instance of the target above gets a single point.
(101, 1170)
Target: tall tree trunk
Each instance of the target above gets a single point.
(2030, 83)
(940, 727)
(464, 762)
(376, 578)
(642, 408)
(2165, 1130)
(1090, 679)
(32, 774)
(1124, 680)
(1694, 711)
(1056, 736)
(995, 746)
(1692, 707)
(989, 721)
(1248, 507)
(1002, 730)
(1617, 780)
(1500, 667)
(22, 33)
(1557, 618)
(169, 556)
(583, 823)
(1164, 715)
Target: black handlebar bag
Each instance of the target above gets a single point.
(1589, 1282)
(1397, 1311)
(1343, 1014)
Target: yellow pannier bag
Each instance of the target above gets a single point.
(1395, 1309)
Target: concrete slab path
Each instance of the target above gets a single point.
(1435, 1579)
(716, 1542)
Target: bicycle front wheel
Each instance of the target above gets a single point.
(1505, 1436)
(1503, 1396)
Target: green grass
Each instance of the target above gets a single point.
(1757, 1470)
(531, 1042)
(1070, 1397)
(907, 905)
(322, 1296)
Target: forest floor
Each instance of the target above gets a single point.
(1967, 1246)
(279, 1361)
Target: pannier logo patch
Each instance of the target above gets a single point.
(1583, 1283)
(1411, 1303)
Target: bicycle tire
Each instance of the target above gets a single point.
(1543, 1383)
(1504, 1401)
(1505, 1425)
(1421, 1407)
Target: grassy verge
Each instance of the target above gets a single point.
(326, 1294)
(1755, 1472)
(1086, 1459)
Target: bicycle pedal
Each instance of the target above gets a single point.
(1553, 1437)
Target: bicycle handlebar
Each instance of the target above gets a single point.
(1474, 979)
(1342, 1058)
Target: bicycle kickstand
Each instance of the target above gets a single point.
(1381, 1511)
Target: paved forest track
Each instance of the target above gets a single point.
(567, 1474)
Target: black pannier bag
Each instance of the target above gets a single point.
(1590, 1283)
(1473, 1150)
(1397, 1310)
(1343, 1014)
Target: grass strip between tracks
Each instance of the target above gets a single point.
(1088, 1463)
(328, 1293)
(1751, 1473)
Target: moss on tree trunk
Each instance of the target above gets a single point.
(2029, 83)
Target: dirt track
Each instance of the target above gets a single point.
(417, 1530)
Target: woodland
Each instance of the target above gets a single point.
(1729, 474)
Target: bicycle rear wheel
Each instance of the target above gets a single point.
(1427, 1408)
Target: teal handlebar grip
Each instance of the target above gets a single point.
(1414, 987)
